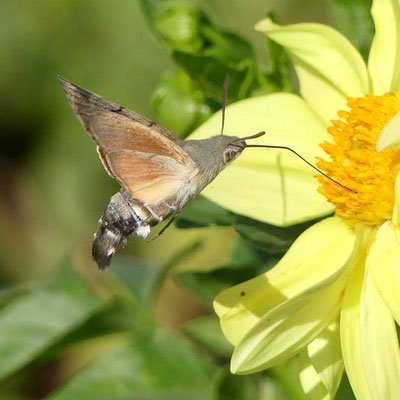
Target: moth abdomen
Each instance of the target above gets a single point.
(120, 220)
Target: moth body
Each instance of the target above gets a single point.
(159, 173)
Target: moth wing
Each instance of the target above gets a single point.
(115, 128)
(141, 155)
(150, 178)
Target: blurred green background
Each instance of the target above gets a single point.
(132, 332)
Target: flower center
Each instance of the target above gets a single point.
(356, 164)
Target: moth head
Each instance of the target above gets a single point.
(235, 145)
(213, 154)
(233, 149)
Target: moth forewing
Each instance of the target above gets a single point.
(158, 177)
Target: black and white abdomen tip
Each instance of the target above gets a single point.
(119, 221)
(105, 244)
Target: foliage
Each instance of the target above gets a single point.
(205, 53)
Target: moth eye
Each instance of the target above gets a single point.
(229, 155)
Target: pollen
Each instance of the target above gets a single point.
(355, 163)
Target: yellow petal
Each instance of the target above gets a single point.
(316, 259)
(350, 334)
(270, 185)
(384, 264)
(396, 208)
(384, 56)
(328, 57)
(390, 135)
(321, 364)
(312, 86)
(310, 380)
(379, 344)
(286, 329)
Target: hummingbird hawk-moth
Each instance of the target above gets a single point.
(159, 173)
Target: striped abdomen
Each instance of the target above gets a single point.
(123, 216)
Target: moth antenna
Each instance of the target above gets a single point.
(298, 155)
(224, 95)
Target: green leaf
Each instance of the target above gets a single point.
(137, 274)
(226, 46)
(236, 387)
(154, 365)
(202, 212)
(204, 51)
(207, 331)
(344, 392)
(271, 238)
(277, 77)
(209, 74)
(35, 321)
(205, 285)
(287, 375)
(143, 278)
(184, 25)
(247, 262)
(8, 295)
(179, 105)
(353, 19)
(114, 316)
(175, 22)
(247, 255)
(248, 387)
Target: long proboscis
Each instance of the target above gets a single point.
(270, 146)
(257, 135)
(298, 155)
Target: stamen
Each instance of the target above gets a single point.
(355, 162)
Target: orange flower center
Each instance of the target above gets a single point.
(356, 164)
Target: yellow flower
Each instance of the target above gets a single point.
(334, 297)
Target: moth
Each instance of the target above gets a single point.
(159, 173)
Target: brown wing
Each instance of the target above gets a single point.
(150, 177)
(134, 150)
